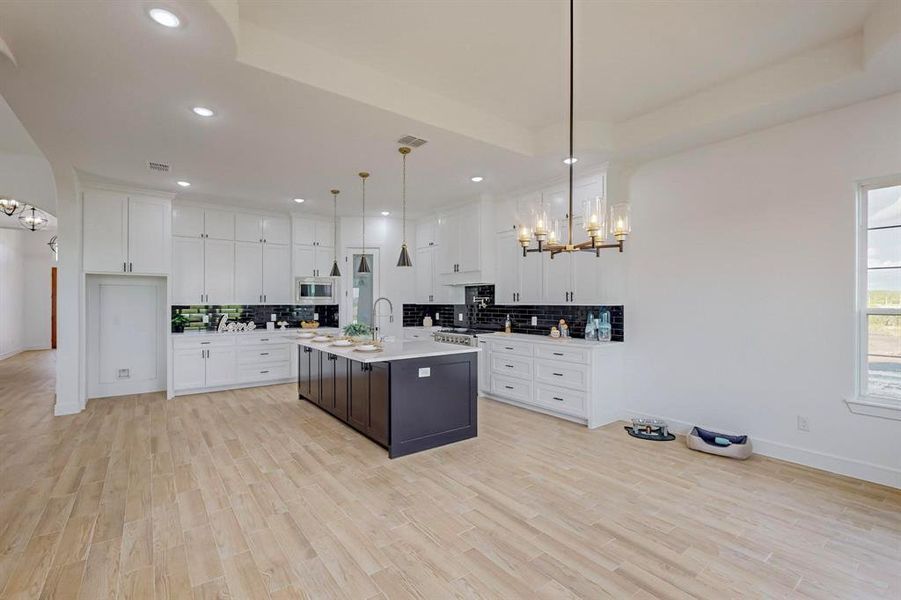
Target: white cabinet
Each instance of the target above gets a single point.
(427, 233)
(459, 257)
(276, 270)
(276, 230)
(187, 271)
(203, 363)
(248, 275)
(470, 252)
(558, 277)
(424, 271)
(484, 366)
(220, 366)
(248, 228)
(203, 271)
(518, 278)
(219, 271)
(312, 261)
(126, 233)
(448, 255)
(196, 221)
(189, 368)
(314, 232)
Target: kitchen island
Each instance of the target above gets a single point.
(408, 397)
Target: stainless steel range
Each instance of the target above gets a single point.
(461, 337)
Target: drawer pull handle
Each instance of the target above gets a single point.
(509, 366)
(558, 374)
(558, 354)
(509, 387)
(264, 339)
(507, 348)
(204, 343)
(264, 354)
(264, 372)
(557, 398)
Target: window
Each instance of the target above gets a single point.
(879, 300)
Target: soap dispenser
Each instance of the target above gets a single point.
(508, 325)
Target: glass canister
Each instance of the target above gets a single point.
(604, 329)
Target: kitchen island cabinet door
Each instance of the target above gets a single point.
(379, 392)
(327, 398)
(304, 381)
(358, 408)
(341, 368)
(315, 376)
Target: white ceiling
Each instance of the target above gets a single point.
(310, 93)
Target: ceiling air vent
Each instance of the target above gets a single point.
(412, 141)
(160, 167)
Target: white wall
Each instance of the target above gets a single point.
(39, 261)
(740, 312)
(12, 291)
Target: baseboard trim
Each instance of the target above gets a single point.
(60, 410)
(11, 354)
(534, 408)
(809, 458)
(237, 386)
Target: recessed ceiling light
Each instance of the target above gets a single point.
(385, 213)
(299, 200)
(164, 17)
(184, 183)
(203, 111)
(477, 178)
(570, 161)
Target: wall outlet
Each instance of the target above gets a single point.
(459, 316)
(124, 374)
(425, 372)
(534, 321)
(273, 317)
(803, 425)
(206, 318)
(437, 317)
(315, 316)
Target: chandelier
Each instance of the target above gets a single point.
(596, 222)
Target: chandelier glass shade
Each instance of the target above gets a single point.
(554, 236)
(9, 206)
(32, 219)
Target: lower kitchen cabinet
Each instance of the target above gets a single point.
(354, 392)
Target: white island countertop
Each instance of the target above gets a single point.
(397, 350)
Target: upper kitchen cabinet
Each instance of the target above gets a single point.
(314, 232)
(427, 233)
(196, 221)
(310, 261)
(461, 257)
(265, 229)
(519, 279)
(126, 232)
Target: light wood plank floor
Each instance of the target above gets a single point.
(253, 494)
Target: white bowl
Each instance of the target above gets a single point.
(321, 338)
(305, 336)
(342, 343)
(368, 348)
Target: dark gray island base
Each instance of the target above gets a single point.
(404, 404)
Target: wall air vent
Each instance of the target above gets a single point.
(159, 167)
(412, 141)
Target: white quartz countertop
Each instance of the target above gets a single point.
(397, 350)
(261, 331)
(546, 339)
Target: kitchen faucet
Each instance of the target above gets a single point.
(375, 315)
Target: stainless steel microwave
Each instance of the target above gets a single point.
(315, 290)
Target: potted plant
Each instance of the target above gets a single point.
(358, 331)
(178, 323)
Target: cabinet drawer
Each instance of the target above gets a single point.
(252, 373)
(557, 372)
(515, 389)
(264, 354)
(562, 400)
(512, 347)
(197, 343)
(507, 364)
(254, 339)
(576, 355)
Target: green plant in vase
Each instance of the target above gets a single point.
(357, 330)
(178, 323)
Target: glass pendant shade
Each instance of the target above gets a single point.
(9, 206)
(335, 272)
(404, 259)
(32, 219)
(540, 225)
(620, 221)
(364, 265)
(594, 213)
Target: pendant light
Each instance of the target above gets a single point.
(9, 206)
(32, 219)
(335, 272)
(364, 264)
(548, 237)
(404, 259)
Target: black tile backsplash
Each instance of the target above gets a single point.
(259, 314)
(492, 316)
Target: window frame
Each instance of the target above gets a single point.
(863, 402)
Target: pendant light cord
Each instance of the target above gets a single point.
(571, 36)
(335, 226)
(404, 196)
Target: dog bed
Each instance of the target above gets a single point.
(731, 446)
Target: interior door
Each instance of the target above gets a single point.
(248, 273)
(221, 366)
(219, 271)
(277, 274)
(149, 242)
(187, 270)
(105, 228)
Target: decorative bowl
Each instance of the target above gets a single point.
(368, 348)
(309, 324)
(342, 343)
(322, 338)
